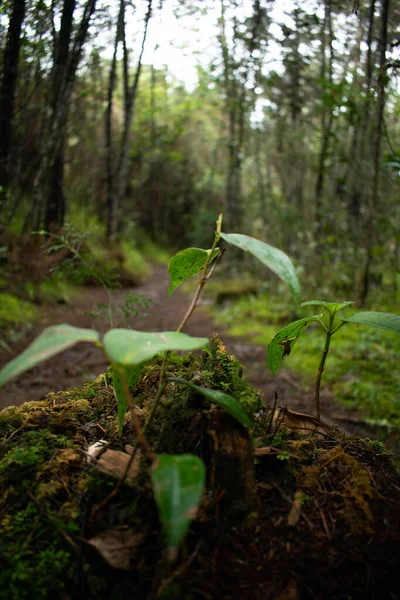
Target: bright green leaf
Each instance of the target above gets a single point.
(132, 374)
(273, 258)
(51, 341)
(129, 347)
(380, 320)
(282, 343)
(331, 307)
(186, 263)
(229, 404)
(178, 483)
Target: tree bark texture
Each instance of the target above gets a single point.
(8, 89)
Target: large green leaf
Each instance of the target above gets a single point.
(282, 343)
(186, 263)
(129, 347)
(132, 374)
(50, 342)
(380, 320)
(229, 404)
(178, 483)
(273, 258)
(331, 307)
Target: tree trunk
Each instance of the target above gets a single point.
(108, 121)
(53, 143)
(7, 92)
(374, 198)
(123, 163)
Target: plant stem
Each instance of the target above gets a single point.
(203, 280)
(141, 440)
(321, 368)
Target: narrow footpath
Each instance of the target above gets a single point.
(83, 362)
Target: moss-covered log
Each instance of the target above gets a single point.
(313, 516)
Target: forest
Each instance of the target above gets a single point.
(195, 197)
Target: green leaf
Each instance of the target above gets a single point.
(380, 320)
(50, 342)
(129, 347)
(229, 404)
(186, 263)
(282, 343)
(178, 483)
(331, 307)
(273, 258)
(132, 374)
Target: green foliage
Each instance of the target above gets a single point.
(50, 342)
(271, 257)
(229, 404)
(178, 483)
(380, 320)
(283, 342)
(187, 263)
(331, 307)
(126, 347)
(15, 312)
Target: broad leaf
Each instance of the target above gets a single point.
(229, 404)
(331, 307)
(129, 347)
(187, 263)
(282, 343)
(50, 342)
(273, 258)
(132, 374)
(178, 483)
(380, 320)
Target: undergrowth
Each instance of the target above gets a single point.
(362, 367)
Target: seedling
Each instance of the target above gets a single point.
(283, 342)
(178, 481)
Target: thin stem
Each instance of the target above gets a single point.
(321, 367)
(338, 327)
(141, 440)
(203, 278)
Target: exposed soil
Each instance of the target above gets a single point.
(84, 362)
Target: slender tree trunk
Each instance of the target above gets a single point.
(123, 163)
(327, 122)
(7, 93)
(374, 198)
(108, 121)
(55, 137)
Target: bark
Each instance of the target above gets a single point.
(129, 111)
(7, 91)
(54, 139)
(108, 120)
(374, 198)
(327, 122)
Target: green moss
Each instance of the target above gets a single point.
(134, 261)
(15, 312)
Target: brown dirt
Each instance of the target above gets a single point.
(84, 362)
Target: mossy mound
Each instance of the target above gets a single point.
(321, 520)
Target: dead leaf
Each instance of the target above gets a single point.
(295, 511)
(114, 463)
(117, 546)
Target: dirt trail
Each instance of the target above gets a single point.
(84, 362)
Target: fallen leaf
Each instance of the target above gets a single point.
(114, 463)
(117, 546)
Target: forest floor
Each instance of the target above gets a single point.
(84, 362)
